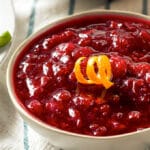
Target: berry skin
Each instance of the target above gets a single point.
(134, 116)
(83, 100)
(62, 95)
(54, 106)
(98, 130)
(119, 66)
(35, 107)
(82, 51)
(116, 126)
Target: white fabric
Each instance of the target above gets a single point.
(12, 136)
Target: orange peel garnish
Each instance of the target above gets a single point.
(101, 100)
(101, 77)
(78, 73)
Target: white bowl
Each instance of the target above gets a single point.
(72, 141)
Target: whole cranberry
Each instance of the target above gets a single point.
(82, 51)
(85, 40)
(53, 106)
(83, 100)
(54, 40)
(145, 36)
(66, 48)
(141, 69)
(117, 116)
(119, 66)
(67, 35)
(35, 107)
(105, 109)
(75, 116)
(147, 77)
(116, 126)
(134, 116)
(115, 24)
(98, 130)
(34, 87)
(47, 69)
(62, 95)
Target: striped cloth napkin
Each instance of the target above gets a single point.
(31, 15)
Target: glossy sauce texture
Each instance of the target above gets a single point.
(45, 83)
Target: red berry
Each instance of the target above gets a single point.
(134, 116)
(67, 35)
(83, 100)
(145, 35)
(82, 52)
(119, 66)
(85, 40)
(35, 107)
(98, 130)
(105, 109)
(74, 114)
(116, 126)
(62, 95)
(54, 106)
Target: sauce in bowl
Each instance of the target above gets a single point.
(45, 81)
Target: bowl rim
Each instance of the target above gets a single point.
(19, 49)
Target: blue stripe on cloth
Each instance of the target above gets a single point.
(144, 9)
(30, 30)
(71, 6)
(26, 142)
(32, 19)
(107, 4)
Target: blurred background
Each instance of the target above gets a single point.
(37, 13)
(54, 9)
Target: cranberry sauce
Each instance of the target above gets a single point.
(46, 85)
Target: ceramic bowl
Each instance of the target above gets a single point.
(67, 140)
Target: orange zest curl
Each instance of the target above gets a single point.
(102, 76)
